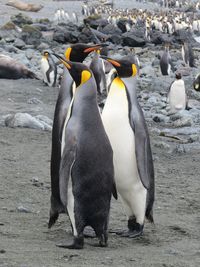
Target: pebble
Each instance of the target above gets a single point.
(23, 209)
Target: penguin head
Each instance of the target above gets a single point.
(125, 67)
(79, 72)
(45, 54)
(178, 75)
(78, 52)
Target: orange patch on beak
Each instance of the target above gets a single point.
(114, 63)
(90, 49)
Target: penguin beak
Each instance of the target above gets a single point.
(64, 61)
(94, 48)
(112, 61)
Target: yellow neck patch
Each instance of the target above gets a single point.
(85, 76)
(68, 53)
(134, 69)
(117, 82)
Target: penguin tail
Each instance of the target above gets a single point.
(149, 215)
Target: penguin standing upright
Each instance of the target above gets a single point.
(49, 69)
(125, 126)
(77, 52)
(188, 55)
(177, 96)
(86, 168)
(98, 69)
(166, 62)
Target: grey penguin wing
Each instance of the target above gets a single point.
(114, 191)
(67, 161)
(142, 148)
(144, 159)
(48, 74)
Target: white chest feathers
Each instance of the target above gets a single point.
(115, 118)
(177, 96)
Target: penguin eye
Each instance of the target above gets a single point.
(134, 70)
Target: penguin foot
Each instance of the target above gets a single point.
(135, 233)
(103, 240)
(130, 234)
(77, 244)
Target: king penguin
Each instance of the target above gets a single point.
(77, 52)
(177, 96)
(125, 126)
(49, 69)
(86, 167)
(166, 62)
(188, 55)
(98, 69)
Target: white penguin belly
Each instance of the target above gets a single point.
(70, 205)
(177, 96)
(116, 122)
(44, 69)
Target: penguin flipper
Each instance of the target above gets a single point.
(48, 74)
(114, 191)
(67, 160)
(144, 159)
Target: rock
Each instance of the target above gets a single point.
(182, 131)
(30, 35)
(184, 35)
(111, 29)
(34, 100)
(19, 43)
(160, 118)
(2, 251)
(147, 71)
(21, 20)
(35, 181)
(162, 145)
(23, 209)
(43, 46)
(8, 26)
(130, 39)
(64, 35)
(183, 122)
(115, 39)
(159, 38)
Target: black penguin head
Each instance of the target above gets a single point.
(125, 67)
(78, 52)
(79, 72)
(178, 75)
